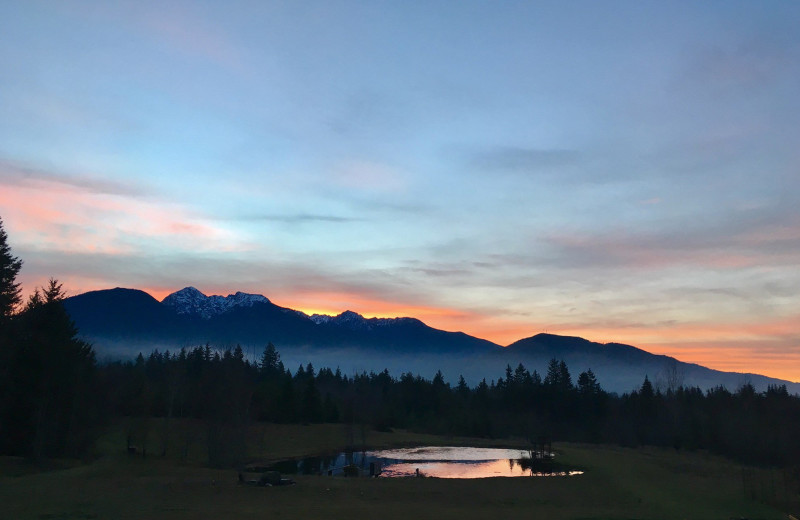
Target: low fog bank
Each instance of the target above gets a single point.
(613, 376)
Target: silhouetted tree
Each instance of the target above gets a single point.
(10, 291)
(270, 364)
(587, 383)
(646, 391)
(55, 379)
(9, 300)
(462, 388)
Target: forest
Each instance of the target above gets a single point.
(55, 398)
(227, 392)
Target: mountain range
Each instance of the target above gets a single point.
(122, 322)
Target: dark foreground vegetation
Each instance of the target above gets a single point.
(642, 483)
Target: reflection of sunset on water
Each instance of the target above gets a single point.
(459, 462)
(443, 453)
(491, 468)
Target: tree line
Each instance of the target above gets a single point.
(229, 392)
(55, 398)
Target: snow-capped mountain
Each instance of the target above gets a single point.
(354, 321)
(193, 302)
(319, 319)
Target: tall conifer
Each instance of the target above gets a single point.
(10, 292)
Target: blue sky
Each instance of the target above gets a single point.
(623, 171)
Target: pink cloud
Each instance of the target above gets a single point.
(56, 216)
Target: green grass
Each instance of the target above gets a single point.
(619, 483)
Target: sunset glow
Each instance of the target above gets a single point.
(516, 169)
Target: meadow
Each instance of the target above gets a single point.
(619, 483)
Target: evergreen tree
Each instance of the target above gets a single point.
(9, 300)
(553, 377)
(238, 353)
(462, 387)
(438, 379)
(646, 391)
(270, 361)
(587, 383)
(10, 291)
(54, 382)
(565, 379)
(521, 375)
(509, 376)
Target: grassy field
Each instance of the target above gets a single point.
(618, 483)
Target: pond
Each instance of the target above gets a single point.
(429, 461)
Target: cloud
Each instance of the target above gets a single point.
(370, 176)
(369, 113)
(385, 205)
(749, 63)
(52, 214)
(298, 218)
(179, 26)
(12, 174)
(513, 159)
(766, 237)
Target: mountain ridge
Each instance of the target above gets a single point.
(245, 320)
(120, 320)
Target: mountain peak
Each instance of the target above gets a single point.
(187, 292)
(350, 315)
(191, 301)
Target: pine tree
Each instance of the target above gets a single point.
(553, 377)
(646, 391)
(462, 387)
(10, 291)
(587, 383)
(565, 379)
(54, 380)
(270, 360)
(238, 353)
(9, 300)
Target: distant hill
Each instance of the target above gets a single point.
(623, 367)
(122, 313)
(123, 322)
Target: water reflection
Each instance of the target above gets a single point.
(450, 453)
(431, 461)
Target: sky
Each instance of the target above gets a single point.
(620, 171)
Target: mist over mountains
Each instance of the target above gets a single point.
(123, 322)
